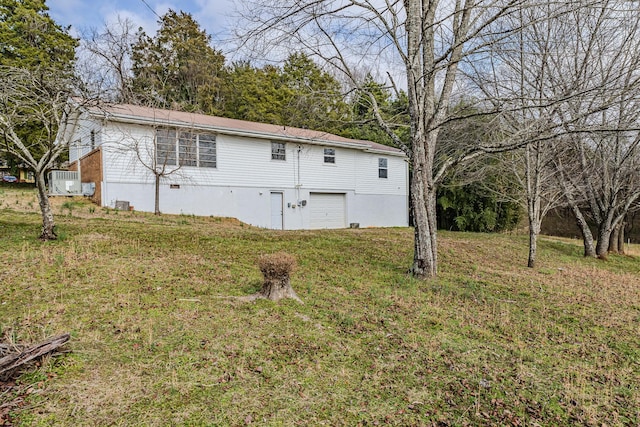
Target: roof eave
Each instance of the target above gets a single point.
(126, 118)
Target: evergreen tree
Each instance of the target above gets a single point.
(30, 39)
(251, 93)
(36, 77)
(177, 68)
(298, 94)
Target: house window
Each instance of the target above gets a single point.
(166, 147)
(92, 137)
(175, 148)
(330, 155)
(382, 168)
(278, 151)
(207, 155)
(187, 149)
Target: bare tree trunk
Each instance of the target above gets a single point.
(533, 172)
(623, 226)
(602, 245)
(423, 197)
(48, 224)
(614, 240)
(585, 231)
(534, 230)
(157, 196)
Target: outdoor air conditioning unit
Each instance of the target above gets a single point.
(64, 183)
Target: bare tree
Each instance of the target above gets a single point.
(567, 167)
(425, 42)
(105, 59)
(564, 82)
(607, 145)
(515, 80)
(38, 99)
(165, 154)
(610, 179)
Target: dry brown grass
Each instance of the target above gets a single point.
(490, 342)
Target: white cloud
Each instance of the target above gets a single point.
(216, 17)
(66, 7)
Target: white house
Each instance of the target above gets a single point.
(265, 175)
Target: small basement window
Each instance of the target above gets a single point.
(330, 155)
(278, 151)
(382, 168)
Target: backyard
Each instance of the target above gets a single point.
(160, 337)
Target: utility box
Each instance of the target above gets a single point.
(88, 189)
(64, 183)
(122, 205)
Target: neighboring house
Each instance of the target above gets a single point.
(265, 175)
(5, 169)
(25, 175)
(22, 173)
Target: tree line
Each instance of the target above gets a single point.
(502, 106)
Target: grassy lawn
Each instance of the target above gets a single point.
(158, 339)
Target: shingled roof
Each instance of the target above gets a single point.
(128, 113)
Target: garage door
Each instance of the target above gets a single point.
(327, 210)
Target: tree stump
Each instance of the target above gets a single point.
(276, 269)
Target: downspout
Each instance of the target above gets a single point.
(298, 177)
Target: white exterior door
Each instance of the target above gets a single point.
(327, 210)
(276, 211)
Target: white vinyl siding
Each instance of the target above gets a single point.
(316, 175)
(327, 210)
(369, 182)
(236, 177)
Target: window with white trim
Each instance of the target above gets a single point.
(330, 155)
(278, 151)
(187, 149)
(382, 168)
(207, 155)
(182, 148)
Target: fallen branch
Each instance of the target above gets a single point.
(15, 360)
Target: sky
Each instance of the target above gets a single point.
(212, 15)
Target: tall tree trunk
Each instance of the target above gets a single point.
(623, 225)
(585, 231)
(534, 230)
(614, 240)
(533, 163)
(157, 195)
(602, 245)
(48, 224)
(423, 197)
